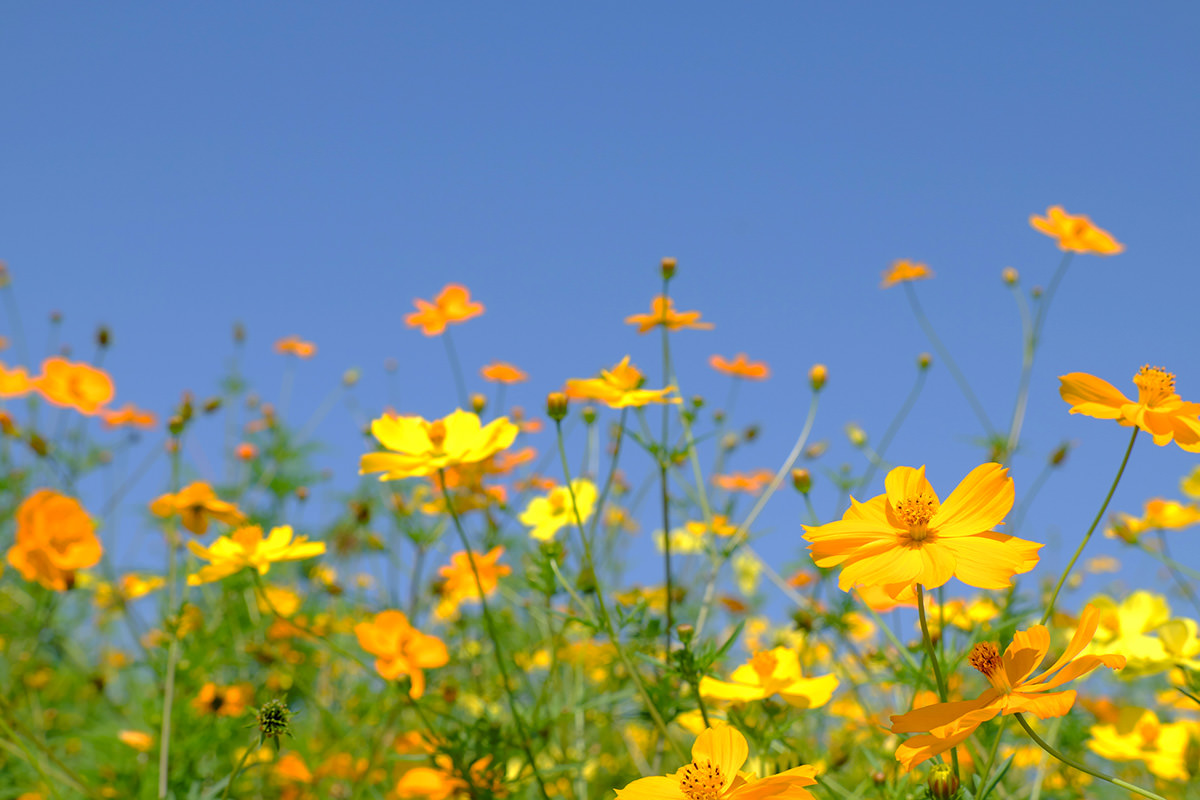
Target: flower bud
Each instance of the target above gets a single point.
(1036, 292)
(275, 719)
(668, 268)
(212, 404)
(1060, 454)
(816, 449)
(478, 403)
(686, 632)
(103, 336)
(556, 406)
(1010, 276)
(5, 277)
(38, 445)
(817, 377)
(239, 333)
(588, 414)
(729, 441)
(55, 317)
(390, 365)
(351, 376)
(942, 783)
(802, 480)
(301, 493)
(751, 433)
(856, 435)
(924, 361)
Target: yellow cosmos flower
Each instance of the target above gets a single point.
(1076, 233)
(1142, 629)
(1159, 515)
(1014, 689)
(715, 774)
(908, 536)
(546, 515)
(619, 388)
(419, 447)
(662, 312)
(246, 547)
(769, 673)
(904, 271)
(1158, 411)
(1191, 484)
(1138, 735)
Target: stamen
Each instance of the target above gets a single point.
(764, 663)
(701, 781)
(985, 657)
(1154, 384)
(436, 431)
(915, 512)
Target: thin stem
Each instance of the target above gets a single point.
(238, 769)
(1070, 762)
(1028, 349)
(987, 768)
(1092, 529)
(943, 694)
(944, 354)
(1048, 297)
(894, 427)
(663, 464)
(1183, 585)
(1019, 517)
(164, 744)
(783, 472)
(456, 368)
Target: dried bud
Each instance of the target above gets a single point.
(55, 317)
(668, 268)
(1060, 454)
(751, 433)
(103, 336)
(5, 277)
(817, 377)
(556, 406)
(478, 403)
(802, 480)
(301, 493)
(1009, 276)
(942, 783)
(924, 361)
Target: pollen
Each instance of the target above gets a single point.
(436, 431)
(701, 781)
(985, 657)
(1154, 384)
(764, 663)
(915, 512)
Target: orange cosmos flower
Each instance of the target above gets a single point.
(130, 415)
(1013, 689)
(662, 312)
(458, 579)
(225, 701)
(748, 482)
(295, 346)
(74, 385)
(453, 304)
(14, 382)
(904, 271)
(501, 372)
(55, 537)
(401, 649)
(715, 774)
(908, 536)
(1076, 233)
(196, 504)
(741, 367)
(618, 388)
(1158, 410)
(419, 447)
(138, 740)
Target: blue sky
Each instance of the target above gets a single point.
(311, 169)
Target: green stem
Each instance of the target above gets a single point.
(1070, 762)
(164, 744)
(1092, 529)
(1183, 585)
(463, 399)
(987, 768)
(894, 427)
(664, 455)
(943, 694)
(238, 769)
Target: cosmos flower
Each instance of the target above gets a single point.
(74, 385)
(55, 537)
(417, 447)
(1076, 233)
(546, 515)
(619, 388)
(1138, 735)
(197, 504)
(294, 345)
(662, 312)
(1158, 515)
(741, 367)
(247, 547)
(1158, 411)
(129, 415)
(769, 673)
(400, 649)
(458, 579)
(501, 372)
(15, 381)
(452, 305)
(225, 701)
(904, 271)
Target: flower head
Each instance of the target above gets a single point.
(741, 367)
(1141, 629)
(15, 382)
(769, 673)
(400, 649)
(138, 740)
(197, 504)
(294, 345)
(1138, 735)
(129, 415)
(74, 385)
(419, 447)
(1158, 411)
(904, 271)
(247, 547)
(619, 388)
(908, 536)
(225, 701)
(1158, 515)
(1013, 689)
(748, 482)
(546, 515)
(458, 579)
(55, 537)
(1075, 233)
(501, 372)
(662, 312)
(715, 774)
(453, 304)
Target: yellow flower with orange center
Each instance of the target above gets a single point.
(247, 548)
(715, 773)
(908, 536)
(904, 271)
(547, 515)
(1158, 411)
(1076, 233)
(418, 447)
(1014, 689)
(196, 504)
(55, 536)
(663, 313)
(769, 673)
(452, 305)
(741, 367)
(74, 385)
(619, 387)
(294, 345)
(501, 372)
(400, 649)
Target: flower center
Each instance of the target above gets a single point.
(915, 512)
(436, 431)
(1154, 384)
(701, 781)
(558, 504)
(764, 663)
(985, 657)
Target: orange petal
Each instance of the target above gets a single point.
(1091, 396)
(979, 502)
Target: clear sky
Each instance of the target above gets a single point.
(311, 168)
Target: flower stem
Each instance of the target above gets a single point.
(1070, 762)
(164, 744)
(238, 769)
(1183, 585)
(943, 694)
(1092, 529)
(663, 464)
(456, 368)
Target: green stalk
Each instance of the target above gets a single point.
(943, 694)
(1070, 762)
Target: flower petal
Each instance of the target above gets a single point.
(979, 503)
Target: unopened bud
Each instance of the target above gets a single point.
(686, 632)
(816, 449)
(588, 414)
(1036, 292)
(390, 365)
(275, 720)
(668, 268)
(856, 435)
(751, 433)
(729, 441)
(301, 493)
(55, 317)
(719, 416)
(924, 361)
(556, 406)
(5, 277)
(351, 376)
(103, 336)
(478, 403)
(239, 333)
(176, 424)
(943, 785)
(1060, 454)
(817, 377)
(38, 445)
(212, 405)
(1010, 276)
(802, 480)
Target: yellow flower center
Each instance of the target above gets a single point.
(558, 503)
(436, 431)
(701, 781)
(915, 512)
(1154, 384)
(764, 663)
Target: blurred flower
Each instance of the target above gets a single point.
(453, 304)
(1191, 484)
(246, 451)
(550, 513)
(458, 579)
(196, 504)
(715, 774)
(291, 767)
(769, 673)
(904, 271)
(1158, 410)
(225, 701)
(749, 482)
(419, 447)
(720, 526)
(741, 367)
(618, 388)
(15, 382)
(246, 547)
(1075, 233)
(1139, 736)
(907, 536)
(130, 415)
(401, 649)
(501, 372)
(55, 536)
(137, 740)
(1012, 691)
(662, 312)
(1159, 515)
(294, 345)
(877, 598)
(74, 385)
(1141, 629)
